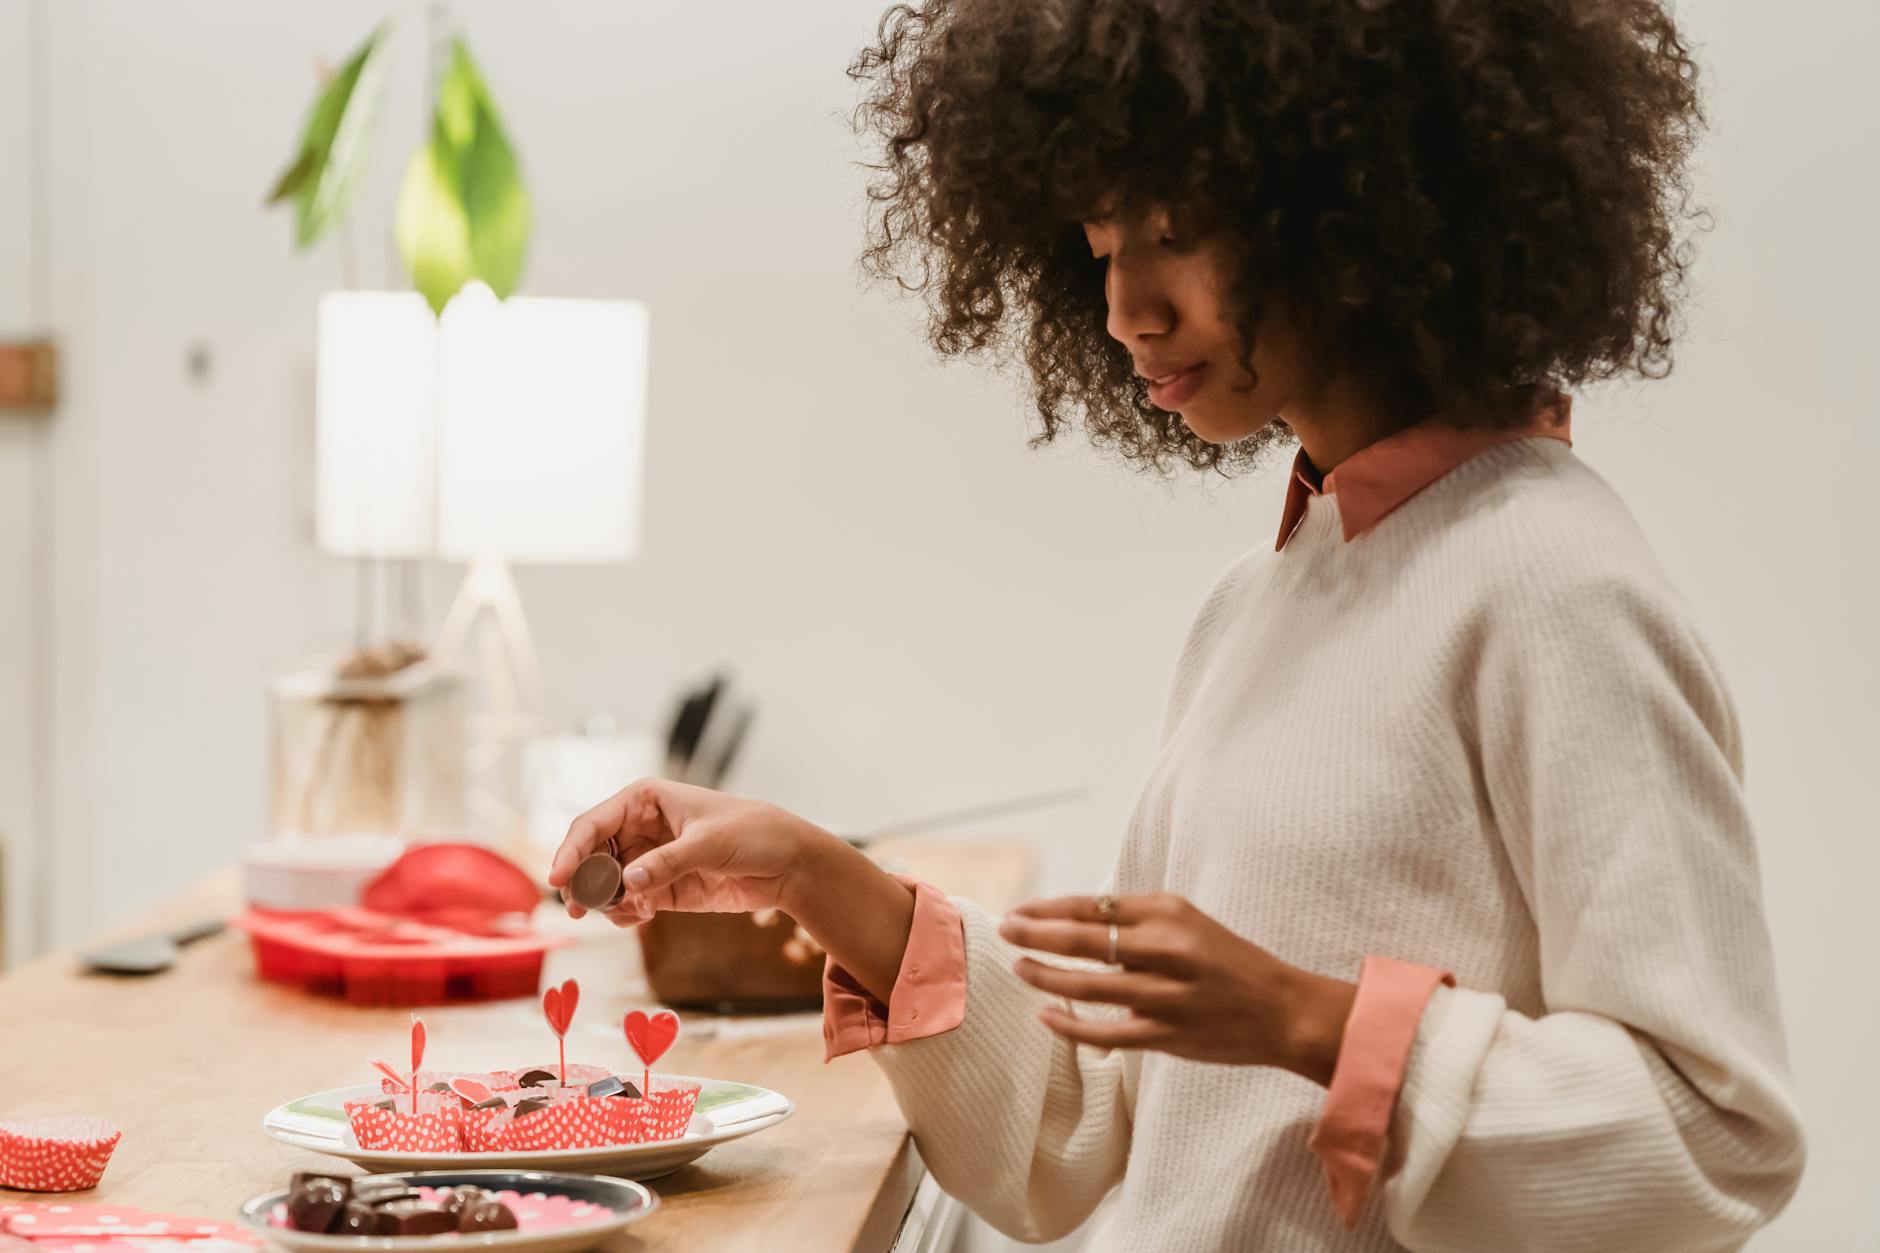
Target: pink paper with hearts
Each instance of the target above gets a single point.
(54, 1228)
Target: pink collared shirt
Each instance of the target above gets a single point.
(929, 996)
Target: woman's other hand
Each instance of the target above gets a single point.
(1193, 988)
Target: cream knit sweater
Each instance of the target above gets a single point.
(1483, 736)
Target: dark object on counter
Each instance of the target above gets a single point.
(150, 955)
(732, 963)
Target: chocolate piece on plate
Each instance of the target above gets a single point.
(486, 1215)
(315, 1201)
(359, 1218)
(536, 1078)
(628, 1090)
(413, 1217)
(612, 1085)
(526, 1107)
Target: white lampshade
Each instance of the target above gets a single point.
(375, 408)
(540, 451)
(509, 429)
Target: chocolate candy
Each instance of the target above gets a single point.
(526, 1107)
(314, 1201)
(387, 1103)
(495, 1102)
(628, 1090)
(359, 1218)
(414, 1218)
(439, 1086)
(488, 1214)
(536, 1078)
(610, 1086)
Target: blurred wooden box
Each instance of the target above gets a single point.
(732, 963)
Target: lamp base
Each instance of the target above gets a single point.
(486, 636)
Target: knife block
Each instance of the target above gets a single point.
(732, 963)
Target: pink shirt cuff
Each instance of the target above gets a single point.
(929, 994)
(1350, 1138)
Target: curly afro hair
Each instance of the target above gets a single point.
(1476, 202)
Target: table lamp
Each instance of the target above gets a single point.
(506, 432)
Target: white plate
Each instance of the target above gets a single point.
(629, 1202)
(727, 1111)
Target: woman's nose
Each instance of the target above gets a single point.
(1138, 305)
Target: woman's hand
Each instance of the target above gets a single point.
(688, 848)
(1193, 988)
(699, 851)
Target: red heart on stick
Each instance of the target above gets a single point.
(385, 1068)
(470, 1090)
(649, 1038)
(558, 1006)
(417, 1043)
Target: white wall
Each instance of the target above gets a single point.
(22, 461)
(932, 614)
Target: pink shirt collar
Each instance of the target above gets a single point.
(1379, 477)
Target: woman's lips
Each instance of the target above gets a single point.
(1171, 391)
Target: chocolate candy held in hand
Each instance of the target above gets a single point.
(536, 1078)
(314, 1201)
(486, 1215)
(414, 1218)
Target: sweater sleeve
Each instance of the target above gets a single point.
(1029, 1130)
(1647, 1108)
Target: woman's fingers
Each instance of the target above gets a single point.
(1121, 1033)
(635, 813)
(1136, 991)
(657, 869)
(1127, 910)
(1136, 947)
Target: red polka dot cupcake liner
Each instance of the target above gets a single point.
(65, 1154)
(436, 1127)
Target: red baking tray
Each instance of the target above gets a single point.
(444, 923)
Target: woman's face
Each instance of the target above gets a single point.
(1165, 302)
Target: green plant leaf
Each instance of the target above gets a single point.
(463, 211)
(430, 225)
(498, 206)
(335, 139)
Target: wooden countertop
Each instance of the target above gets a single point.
(187, 1062)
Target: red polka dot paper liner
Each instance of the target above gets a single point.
(53, 1228)
(437, 1127)
(535, 1211)
(65, 1154)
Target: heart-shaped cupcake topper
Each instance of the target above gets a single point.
(399, 1082)
(470, 1090)
(649, 1038)
(558, 1007)
(417, 1057)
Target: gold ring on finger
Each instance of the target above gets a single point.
(1106, 908)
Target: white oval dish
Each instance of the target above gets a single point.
(728, 1111)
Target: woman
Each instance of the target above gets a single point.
(1438, 922)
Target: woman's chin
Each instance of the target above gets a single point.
(1222, 428)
